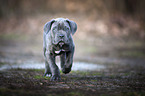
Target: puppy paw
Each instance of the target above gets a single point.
(55, 78)
(66, 70)
(47, 74)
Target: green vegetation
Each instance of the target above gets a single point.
(87, 73)
(133, 94)
(138, 54)
(13, 36)
(74, 94)
(18, 92)
(41, 77)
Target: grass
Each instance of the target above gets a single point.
(2, 63)
(41, 77)
(138, 54)
(33, 70)
(17, 92)
(87, 73)
(74, 94)
(126, 94)
(133, 94)
(13, 36)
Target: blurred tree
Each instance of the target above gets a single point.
(21, 7)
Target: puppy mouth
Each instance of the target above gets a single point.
(61, 44)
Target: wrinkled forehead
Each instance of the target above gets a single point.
(60, 23)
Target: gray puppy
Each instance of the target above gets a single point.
(57, 40)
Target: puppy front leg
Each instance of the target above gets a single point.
(68, 62)
(62, 59)
(53, 67)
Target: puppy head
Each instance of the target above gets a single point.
(61, 30)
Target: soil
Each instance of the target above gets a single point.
(119, 80)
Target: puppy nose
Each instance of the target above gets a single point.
(61, 35)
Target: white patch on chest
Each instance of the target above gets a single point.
(57, 52)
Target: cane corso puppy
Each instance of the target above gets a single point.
(57, 40)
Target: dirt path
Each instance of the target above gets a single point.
(119, 80)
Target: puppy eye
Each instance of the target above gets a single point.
(66, 29)
(54, 29)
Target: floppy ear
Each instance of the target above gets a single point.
(73, 26)
(47, 26)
